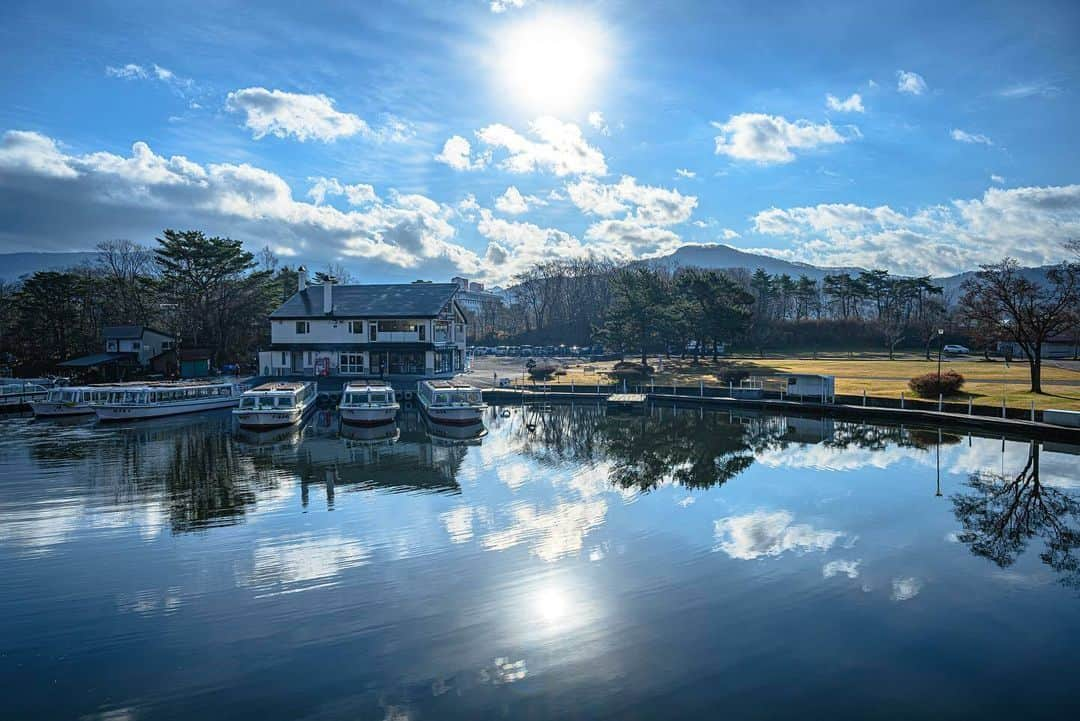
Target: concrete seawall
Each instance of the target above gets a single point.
(986, 424)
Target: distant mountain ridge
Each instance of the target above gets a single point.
(16, 265)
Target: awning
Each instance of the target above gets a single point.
(97, 359)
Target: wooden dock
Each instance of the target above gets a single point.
(626, 400)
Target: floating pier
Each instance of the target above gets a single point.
(628, 401)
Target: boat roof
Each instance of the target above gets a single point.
(278, 387)
(367, 386)
(158, 385)
(442, 385)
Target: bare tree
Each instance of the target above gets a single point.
(1000, 298)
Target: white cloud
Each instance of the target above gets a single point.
(762, 533)
(134, 71)
(999, 179)
(1031, 224)
(456, 152)
(305, 117)
(768, 139)
(729, 234)
(853, 104)
(965, 137)
(107, 195)
(511, 202)
(836, 568)
(910, 83)
(1039, 88)
(684, 173)
(559, 148)
(501, 6)
(905, 589)
(597, 122)
(358, 194)
(645, 204)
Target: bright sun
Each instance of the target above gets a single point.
(551, 63)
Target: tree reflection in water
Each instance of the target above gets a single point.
(1004, 513)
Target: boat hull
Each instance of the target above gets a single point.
(134, 412)
(377, 416)
(44, 409)
(267, 419)
(464, 416)
(18, 401)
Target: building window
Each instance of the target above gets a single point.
(302, 327)
(397, 326)
(356, 327)
(284, 360)
(308, 359)
(373, 331)
(442, 331)
(135, 345)
(351, 363)
(444, 361)
(421, 330)
(166, 345)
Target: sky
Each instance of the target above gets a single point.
(416, 139)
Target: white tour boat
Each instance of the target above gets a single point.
(368, 404)
(273, 405)
(451, 402)
(71, 401)
(17, 394)
(167, 398)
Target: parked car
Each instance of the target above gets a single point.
(951, 348)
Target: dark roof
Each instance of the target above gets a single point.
(400, 300)
(117, 332)
(97, 359)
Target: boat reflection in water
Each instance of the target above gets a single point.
(442, 434)
(369, 436)
(280, 437)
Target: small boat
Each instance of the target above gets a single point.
(167, 398)
(451, 402)
(276, 404)
(366, 403)
(15, 394)
(70, 401)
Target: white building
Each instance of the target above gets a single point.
(411, 330)
(141, 341)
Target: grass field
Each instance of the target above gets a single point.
(986, 382)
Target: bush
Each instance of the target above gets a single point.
(631, 370)
(930, 385)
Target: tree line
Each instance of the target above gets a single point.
(208, 291)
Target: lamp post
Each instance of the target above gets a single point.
(941, 344)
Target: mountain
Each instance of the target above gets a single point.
(15, 265)
(724, 257)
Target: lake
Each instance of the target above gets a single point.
(566, 564)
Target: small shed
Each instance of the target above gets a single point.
(194, 362)
(810, 386)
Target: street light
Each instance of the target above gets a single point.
(941, 343)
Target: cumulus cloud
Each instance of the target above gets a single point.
(456, 152)
(305, 117)
(107, 195)
(962, 136)
(1031, 224)
(511, 202)
(645, 204)
(910, 83)
(761, 533)
(357, 194)
(766, 139)
(853, 104)
(597, 122)
(837, 568)
(556, 147)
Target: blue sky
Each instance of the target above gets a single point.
(419, 139)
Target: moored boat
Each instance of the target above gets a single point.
(366, 403)
(277, 404)
(16, 394)
(70, 401)
(451, 402)
(167, 398)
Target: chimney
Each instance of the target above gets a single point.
(301, 279)
(328, 295)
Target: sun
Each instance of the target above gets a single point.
(552, 63)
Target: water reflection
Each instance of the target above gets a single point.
(557, 556)
(1004, 512)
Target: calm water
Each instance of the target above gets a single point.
(684, 565)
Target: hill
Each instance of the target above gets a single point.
(15, 265)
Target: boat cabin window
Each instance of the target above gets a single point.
(377, 397)
(266, 401)
(248, 402)
(285, 402)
